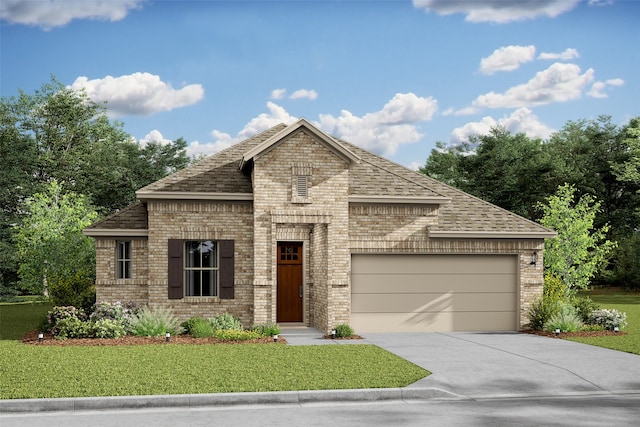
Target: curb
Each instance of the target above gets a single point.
(221, 399)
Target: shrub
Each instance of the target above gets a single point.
(199, 328)
(225, 322)
(591, 328)
(540, 312)
(267, 330)
(72, 327)
(566, 319)
(117, 311)
(57, 314)
(554, 289)
(236, 335)
(343, 331)
(77, 290)
(584, 306)
(155, 322)
(107, 328)
(609, 318)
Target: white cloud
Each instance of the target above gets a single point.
(558, 83)
(568, 54)
(597, 90)
(520, 121)
(507, 58)
(278, 93)
(55, 13)
(385, 130)
(138, 93)
(154, 136)
(382, 131)
(304, 94)
(498, 11)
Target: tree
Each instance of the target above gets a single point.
(629, 170)
(578, 251)
(512, 171)
(49, 239)
(57, 133)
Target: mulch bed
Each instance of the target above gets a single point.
(575, 334)
(352, 337)
(32, 338)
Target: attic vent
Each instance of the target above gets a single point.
(302, 186)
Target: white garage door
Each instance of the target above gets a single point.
(429, 293)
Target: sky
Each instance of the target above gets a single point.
(393, 77)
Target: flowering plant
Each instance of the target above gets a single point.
(118, 312)
(609, 318)
(59, 313)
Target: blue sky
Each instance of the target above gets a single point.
(391, 76)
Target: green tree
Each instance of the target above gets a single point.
(579, 250)
(49, 239)
(511, 171)
(629, 169)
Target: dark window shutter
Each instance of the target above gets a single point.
(176, 275)
(226, 271)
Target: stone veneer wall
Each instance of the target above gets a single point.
(405, 229)
(202, 220)
(276, 207)
(110, 289)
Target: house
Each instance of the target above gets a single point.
(296, 226)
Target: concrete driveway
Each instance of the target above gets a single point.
(486, 365)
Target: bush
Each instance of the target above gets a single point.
(236, 335)
(584, 306)
(77, 290)
(566, 319)
(199, 328)
(554, 289)
(267, 330)
(591, 328)
(608, 318)
(540, 313)
(155, 322)
(343, 331)
(58, 314)
(225, 322)
(107, 328)
(72, 327)
(117, 311)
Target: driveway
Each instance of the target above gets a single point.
(510, 364)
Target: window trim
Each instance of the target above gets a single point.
(215, 269)
(124, 267)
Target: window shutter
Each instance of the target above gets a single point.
(175, 269)
(226, 269)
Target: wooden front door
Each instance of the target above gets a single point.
(289, 299)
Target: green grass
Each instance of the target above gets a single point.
(629, 302)
(31, 371)
(18, 319)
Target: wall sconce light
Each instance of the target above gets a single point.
(275, 338)
(167, 337)
(534, 258)
(40, 336)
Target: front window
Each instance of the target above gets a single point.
(123, 259)
(201, 268)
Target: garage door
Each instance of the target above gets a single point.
(411, 293)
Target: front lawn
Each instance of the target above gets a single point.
(16, 319)
(628, 302)
(32, 371)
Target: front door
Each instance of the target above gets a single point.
(289, 299)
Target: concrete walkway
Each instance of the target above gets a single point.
(463, 366)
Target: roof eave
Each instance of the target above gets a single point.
(192, 195)
(115, 232)
(492, 234)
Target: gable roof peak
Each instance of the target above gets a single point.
(302, 123)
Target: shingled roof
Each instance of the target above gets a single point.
(461, 215)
